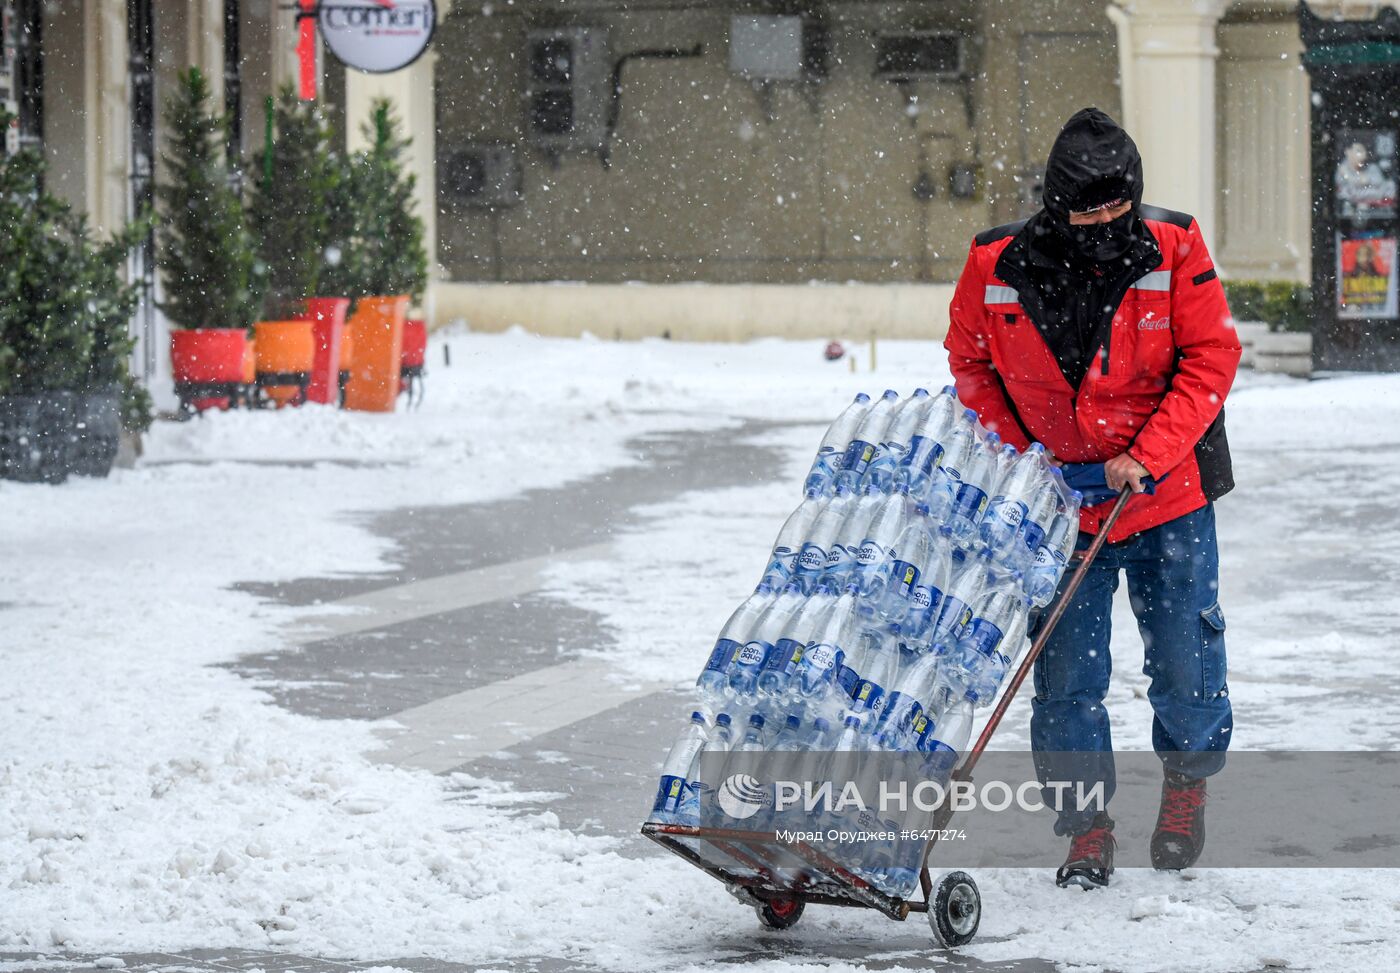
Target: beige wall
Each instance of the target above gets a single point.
(701, 312)
(705, 185)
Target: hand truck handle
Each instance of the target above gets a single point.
(965, 771)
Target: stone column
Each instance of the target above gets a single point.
(1172, 88)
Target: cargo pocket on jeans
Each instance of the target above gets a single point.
(1213, 653)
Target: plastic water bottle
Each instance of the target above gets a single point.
(935, 576)
(709, 763)
(782, 563)
(750, 657)
(961, 445)
(955, 611)
(945, 739)
(911, 553)
(673, 788)
(1040, 516)
(895, 728)
(713, 685)
(873, 560)
(1019, 486)
(975, 480)
(926, 445)
(1051, 558)
(879, 664)
(815, 553)
(841, 558)
(755, 738)
(824, 659)
(987, 642)
(788, 738)
(786, 658)
(833, 447)
(869, 434)
(895, 443)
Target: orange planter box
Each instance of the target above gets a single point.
(286, 352)
(376, 329)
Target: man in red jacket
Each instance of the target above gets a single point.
(1098, 328)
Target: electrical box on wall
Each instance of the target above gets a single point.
(485, 175)
(919, 55)
(777, 48)
(569, 87)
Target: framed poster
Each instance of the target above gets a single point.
(1364, 180)
(1366, 276)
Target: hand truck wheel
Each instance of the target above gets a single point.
(956, 910)
(779, 913)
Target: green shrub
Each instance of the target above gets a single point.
(206, 252)
(65, 303)
(1281, 304)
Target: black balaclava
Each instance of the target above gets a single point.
(1092, 162)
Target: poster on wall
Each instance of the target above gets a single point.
(1365, 175)
(1366, 276)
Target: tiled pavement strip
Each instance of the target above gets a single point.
(459, 637)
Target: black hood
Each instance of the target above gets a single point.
(1071, 279)
(1092, 162)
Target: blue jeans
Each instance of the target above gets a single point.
(1172, 573)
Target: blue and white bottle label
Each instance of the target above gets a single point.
(969, 502)
(785, 657)
(1012, 513)
(982, 637)
(669, 795)
(903, 578)
(858, 456)
(722, 654)
(811, 558)
(752, 653)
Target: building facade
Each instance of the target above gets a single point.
(722, 168)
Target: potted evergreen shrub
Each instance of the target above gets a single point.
(383, 263)
(64, 309)
(299, 236)
(206, 254)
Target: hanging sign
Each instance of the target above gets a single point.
(377, 35)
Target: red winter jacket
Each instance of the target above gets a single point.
(1157, 393)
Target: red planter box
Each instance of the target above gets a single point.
(327, 317)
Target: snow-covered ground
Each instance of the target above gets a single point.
(149, 800)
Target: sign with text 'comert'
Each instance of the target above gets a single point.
(377, 35)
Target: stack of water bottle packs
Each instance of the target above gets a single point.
(896, 597)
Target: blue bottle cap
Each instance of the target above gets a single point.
(821, 725)
(756, 721)
(793, 722)
(813, 493)
(853, 720)
(993, 439)
(723, 720)
(1036, 448)
(890, 394)
(920, 393)
(764, 587)
(697, 717)
(970, 414)
(862, 397)
(851, 589)
(950, 390)
(792, 586)
(921, 508)
(1076, 496)
(822, 589)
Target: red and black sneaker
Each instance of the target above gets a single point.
(1090, 860)
(1181, 824)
